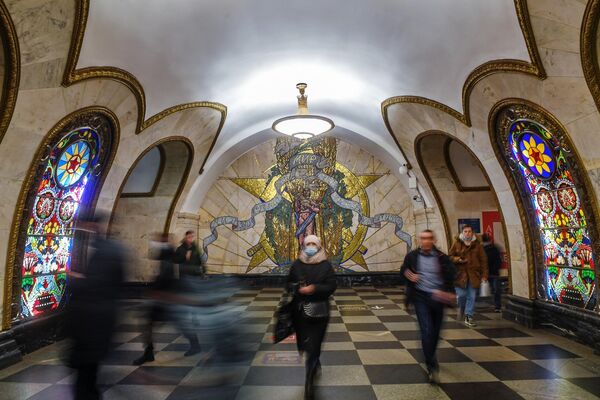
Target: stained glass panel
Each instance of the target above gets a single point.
(49, 239)
(568, 258)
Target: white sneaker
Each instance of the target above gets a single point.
(469, 321)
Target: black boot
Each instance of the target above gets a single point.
(146, 357)
(194, 346)
(309, 388)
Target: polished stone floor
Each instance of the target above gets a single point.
(372, 351)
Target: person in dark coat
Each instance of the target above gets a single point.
(494, 259)
(311, 281)
(164, 291)
(189, 257)
(161, 290)
(92, 310)
(429, 277)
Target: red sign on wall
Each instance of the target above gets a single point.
(492, 225)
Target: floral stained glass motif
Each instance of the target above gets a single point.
(49, 239)
(568, 258)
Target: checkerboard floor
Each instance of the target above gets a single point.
(372, 351)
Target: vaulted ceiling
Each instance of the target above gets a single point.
(248, 55)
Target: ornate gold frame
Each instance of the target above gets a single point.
(444, 216)
(161, 168)
(12, 58)
(588, 49)
(18, 221)
(534, 68)
(73, 75)
(182, 182)
(537, 113)
(455, 176)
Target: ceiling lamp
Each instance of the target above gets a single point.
(303, 125)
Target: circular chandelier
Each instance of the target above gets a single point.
(303, 125)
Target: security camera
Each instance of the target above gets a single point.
(416, 197)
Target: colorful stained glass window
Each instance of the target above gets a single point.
(547, 176)
(61, 190)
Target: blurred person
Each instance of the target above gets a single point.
(165, 284)
(494, 259)
(189, 256)
(468, 255)
(430, 278)
(93, 306)
(311, 281)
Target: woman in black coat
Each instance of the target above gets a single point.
(311, 281)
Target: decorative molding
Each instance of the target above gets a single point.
(189, 145)
(73, 75)
(444, 216)
(159, 172)
(436, 195)
(12, 66)
(20, 219)
(455, 176)
(589, 50)
(535, 68)
(541, 116)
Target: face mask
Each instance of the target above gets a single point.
(311, 251)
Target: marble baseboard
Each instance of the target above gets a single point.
(580, 325)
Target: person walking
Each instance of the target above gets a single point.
(311, 281)
(494, 259)
(163, 288)
(93, 307)
(430, 278)
(468, 255)
(189, 257)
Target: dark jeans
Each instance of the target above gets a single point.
(430, 314)
(496, 285)
(85, 385)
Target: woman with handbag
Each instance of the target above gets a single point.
(311, 281)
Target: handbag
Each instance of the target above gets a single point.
(315, 309)
(284, 326)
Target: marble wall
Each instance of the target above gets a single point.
(564, 93)
(44, 29)
(384, 251)
(457, 204)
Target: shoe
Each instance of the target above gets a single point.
(434, 376)
(148, 356)
(194, 349)
(469, 321)
(497, 310)
(309, 390)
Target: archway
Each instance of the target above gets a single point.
(462, 189)
(147, 197)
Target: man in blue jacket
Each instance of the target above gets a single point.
(429, 277)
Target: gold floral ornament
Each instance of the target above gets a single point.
(537, 155)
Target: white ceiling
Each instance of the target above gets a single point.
(249, 55)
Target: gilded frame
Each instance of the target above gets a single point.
(74, 75)
(589, 50)
(535, 68)
(184, 177)
(537, 113)
(12, 63)
(20, 222)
